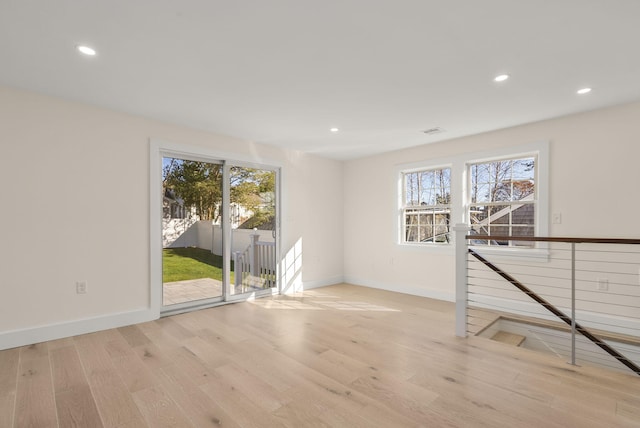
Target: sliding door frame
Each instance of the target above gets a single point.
(160, 149)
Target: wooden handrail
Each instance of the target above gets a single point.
(555, 239)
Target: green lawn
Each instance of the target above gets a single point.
(179, 264)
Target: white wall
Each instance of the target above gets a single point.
(594, 175)
(75, 207)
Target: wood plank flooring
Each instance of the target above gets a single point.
(339, 356)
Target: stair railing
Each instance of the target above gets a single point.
(463, 252)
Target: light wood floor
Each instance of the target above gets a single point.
(340, 356)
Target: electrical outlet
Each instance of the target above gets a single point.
(81, 287)
(556, 218)
(603, 284)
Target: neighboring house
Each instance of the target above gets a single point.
(176, 218)
(259, 223)
(173, 206)
(239, 215)
(513, 220)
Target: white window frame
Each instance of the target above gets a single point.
(428, 209)
(460, 197)
(510, 203)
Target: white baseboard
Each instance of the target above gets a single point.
(28, 336)
(308, 285)
(400, 288)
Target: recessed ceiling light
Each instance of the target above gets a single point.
(86, 50)
(583, 91)
(334, 130)
(501, 78)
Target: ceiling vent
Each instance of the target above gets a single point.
(432, 131)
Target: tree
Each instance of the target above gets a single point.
(254, 189)
(502, 180)
(199, 185)
(431, 191)
(499, 189)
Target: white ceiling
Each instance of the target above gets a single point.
(284, 72)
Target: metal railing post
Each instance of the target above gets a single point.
(571, 319)
(573, 303)
(461, 231)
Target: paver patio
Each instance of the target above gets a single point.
(193, 289)
(202, 288)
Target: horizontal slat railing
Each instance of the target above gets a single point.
(593, 282)
(558, 313)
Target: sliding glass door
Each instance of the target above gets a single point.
(253, 229)
(192, 258)
(219, 231)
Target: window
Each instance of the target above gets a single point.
(502, 192)
(502, 200)
(426, 207)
